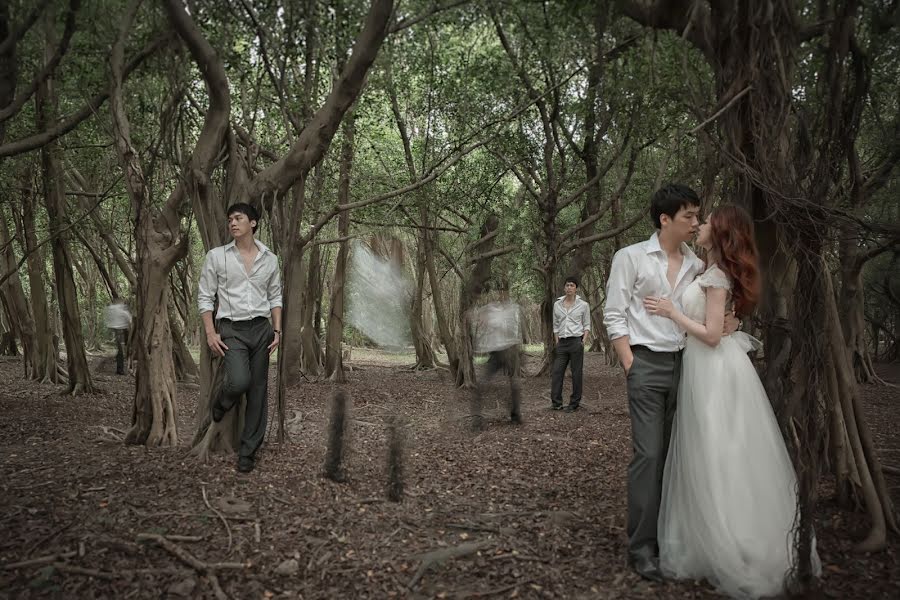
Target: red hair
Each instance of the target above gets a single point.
(731, 233)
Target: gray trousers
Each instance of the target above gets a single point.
(506, 361)
(569, 352)
(246, 366)
(652, 386)
(121, 340)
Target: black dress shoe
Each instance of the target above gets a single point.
(647, 567)
(516, 418)
(245, 464)
(556, 407)
(572, 408)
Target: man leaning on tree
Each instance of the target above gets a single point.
(245, 278)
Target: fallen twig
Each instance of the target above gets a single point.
(42, 560)
(186, 556)
(67, 568)
(517, 556)
(179, 538)
(467, 527)
(282, 500)
(118, 574)
(495, 591)
(207, 569)
(220, 515)
(29, 470)
(437, 557)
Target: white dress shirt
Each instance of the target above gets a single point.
(639, 271)
(572, 321)
(117, 316)
(242, 295)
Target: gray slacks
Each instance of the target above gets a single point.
(569, 352)
(246, 366)
(652, 386)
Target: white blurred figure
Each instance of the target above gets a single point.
(496, 330)
(118, 318)
(378, 299)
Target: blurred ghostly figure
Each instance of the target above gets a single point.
(496, 331)
(118, 319)
(378, 295)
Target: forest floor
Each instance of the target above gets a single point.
(529, 511)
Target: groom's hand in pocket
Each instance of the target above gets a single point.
(622, 347)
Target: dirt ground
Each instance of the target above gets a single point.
(530, 511)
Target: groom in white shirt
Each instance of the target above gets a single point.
(245, 278)
(650, 350)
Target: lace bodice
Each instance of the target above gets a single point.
(694, 299)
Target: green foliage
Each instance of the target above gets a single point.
(454, 84)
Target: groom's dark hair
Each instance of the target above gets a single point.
(244, 208)
(669, 199)
(572, 279)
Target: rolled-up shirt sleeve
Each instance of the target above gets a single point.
(206, 292)
(619, 289)
(274, 289)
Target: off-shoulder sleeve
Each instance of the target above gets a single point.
(714, 278)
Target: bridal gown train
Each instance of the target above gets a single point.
(729, 488)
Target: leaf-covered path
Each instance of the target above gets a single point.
(530, 511)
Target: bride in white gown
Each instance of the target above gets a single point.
(729, 488)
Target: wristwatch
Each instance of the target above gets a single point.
(278, 331)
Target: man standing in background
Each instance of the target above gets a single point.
(571, 324)
(118, 319)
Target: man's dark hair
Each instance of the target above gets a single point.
(669, 199)
(572, 279)
(246, 209)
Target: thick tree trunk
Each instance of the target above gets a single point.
(476, 283)
(46, 368)
(185, 367)
(854, 444)
(425, 358)
(8, 64)
(20, 322)
(79, 373)
(437, 299)
(548, 279)
(153, 417)
(89, 282)
(851, 301)
(311, 356)
(160, 243)
(334, 366)
(291, 348)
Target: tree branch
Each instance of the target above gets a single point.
(16, 105)
(676, 15)
(43, 138)
(404, 23)
(871, 253)
(601, 236)
(493, 254)
(16, 35)
(316, 137)
(335, 210)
